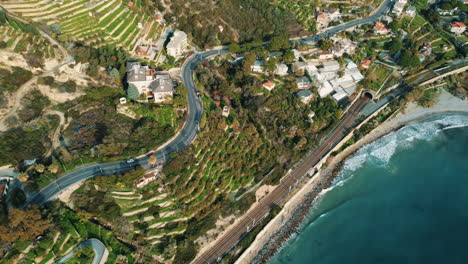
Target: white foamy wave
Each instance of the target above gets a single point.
(454, 126)
(381, 151)
(324, 191)
(323, 215)
(355, 162)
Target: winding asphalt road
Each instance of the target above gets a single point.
(188, 132)
(382, 10)
(100, 251)
(183, 139)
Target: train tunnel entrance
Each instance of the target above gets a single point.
(368, 95)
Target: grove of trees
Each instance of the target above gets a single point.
(23, 225)
(241, 20)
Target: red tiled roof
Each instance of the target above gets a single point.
(269, 84)
(130, 4)
(365, 62)
(458, 25)
(380, 26)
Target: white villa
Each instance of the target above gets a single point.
(281, 69)
(457, 27)
(153, 85)
(399, 6)
(410, 11)
(178, 44)
(325, 17)
(343, 45)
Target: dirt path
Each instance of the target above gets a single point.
(16, 99)
(56, 135)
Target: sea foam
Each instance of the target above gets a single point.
(382, 150)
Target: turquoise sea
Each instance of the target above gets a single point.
(401, 199)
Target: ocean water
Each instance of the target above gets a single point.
(401, 199)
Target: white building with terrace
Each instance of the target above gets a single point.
(178, 44)
(151, 85)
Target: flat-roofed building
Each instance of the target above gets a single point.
(330, 66)
(178, 44)
(325, 89)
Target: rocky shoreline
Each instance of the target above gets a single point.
(291, 226)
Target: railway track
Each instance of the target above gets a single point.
(254, 215)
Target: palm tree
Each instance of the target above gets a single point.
(23, 177)
(39, 167)
(54, 167)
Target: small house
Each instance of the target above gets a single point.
(365, 63)
(305, 95)
(322, 21)
(269, 85)
(299, 66)
(410, 11)
(398, 7)
(457, 27)
(258, 66)
(303, 82)
(334, 14)
(381, 29)
(324, 55)
(146, 179)
(226, 111)
(281, 69)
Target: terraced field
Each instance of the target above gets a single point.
(151, 212)
(105, 22)
(303, 10)
(23, 42)
(422, 31)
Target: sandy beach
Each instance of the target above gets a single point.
(285, 223)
